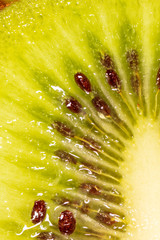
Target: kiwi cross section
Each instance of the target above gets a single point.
(79, 129)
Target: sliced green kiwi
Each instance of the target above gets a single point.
(79, 129)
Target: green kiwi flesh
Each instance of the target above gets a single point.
(101, 164)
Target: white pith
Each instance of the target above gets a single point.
(141, 183)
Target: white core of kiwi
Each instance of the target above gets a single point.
(141, 182)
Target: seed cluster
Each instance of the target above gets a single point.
(66, 220)
(88, 142)
(66, 224)
(82, 166)
(111, 74)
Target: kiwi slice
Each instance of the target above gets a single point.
(79, 110)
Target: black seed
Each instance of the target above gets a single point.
(91, 188)
(132, 58)
(91, 145)
(46, 236)
(83, 82)
(73, 105)
(107, 62)
(63, 129)
(38, 212)
(158, 79)
(66, 157)
(106, 218)
(101, 106)
(135, 83)
(113, 79)
(67, 222)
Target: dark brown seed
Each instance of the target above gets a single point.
(91, 144)
(135, 83)
(46, 236)
(91, 188)
(158, 79)
(67, 222)
(107, 62)
(132, 58)
(88, 165)
(113, 79)
(66, 157)
(73, 105)
(101, 106)
(38, 212)
(63, 129)
(83, 82)
(106, 218)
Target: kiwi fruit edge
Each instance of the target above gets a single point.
(107, 171)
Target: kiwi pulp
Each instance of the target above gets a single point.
(80, 118)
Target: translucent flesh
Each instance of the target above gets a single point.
(42, 45)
